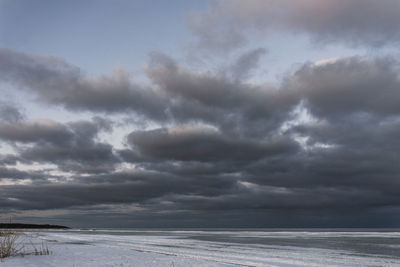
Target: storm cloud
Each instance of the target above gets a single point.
(235, 147)
(73, 146)
(56, 82)
(190, 146)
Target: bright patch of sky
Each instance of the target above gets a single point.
(96, 35)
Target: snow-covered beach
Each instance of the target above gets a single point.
(211, 248)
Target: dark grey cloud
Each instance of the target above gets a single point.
(13, 174)
(72, 146)
(82, 154)
(45, 130)
(8, 159)
(9, 112)
(117, 188)
(177, 93)
(247, 62)
(204, 145)
(229, 24)
(320, 147)
(349, 85)
(220, 100)
(57, 82)
(345, 172)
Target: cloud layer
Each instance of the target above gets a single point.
(230, 24)
(185, 147)
(323, 142)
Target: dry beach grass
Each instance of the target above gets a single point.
(11, 244)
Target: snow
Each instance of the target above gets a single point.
(178, 248)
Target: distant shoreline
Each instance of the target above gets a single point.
(30, 226)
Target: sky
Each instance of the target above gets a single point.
(220, 113)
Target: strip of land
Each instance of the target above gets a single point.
(30, 226)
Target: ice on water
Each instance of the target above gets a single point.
(215, 248)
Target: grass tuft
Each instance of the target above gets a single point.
(9, 245)
(43, 250)
(12, 245)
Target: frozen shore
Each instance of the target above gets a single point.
(215, 248)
